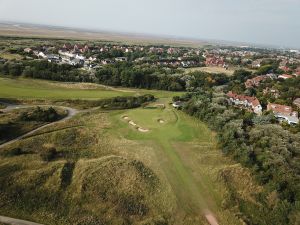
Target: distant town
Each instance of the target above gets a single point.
(266, 68)
(89, 57)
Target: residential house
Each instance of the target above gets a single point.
(243, 101)
(53, 58)
(215, 61)
(254, 82)
(284, 113)
(28, 50)
(67, 46)
(42, 55)
(76, 62)
(80, 48)
(67, 54)
(121, 59)
(272, 92)
(285, 76)
(256, 63)
(106, 61)
(284, 68)
(171, 51)
(177, 104)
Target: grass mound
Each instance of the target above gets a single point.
(122, 189)
(109, 190)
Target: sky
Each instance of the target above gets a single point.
(274, 22)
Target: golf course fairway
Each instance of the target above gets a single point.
(186, 154)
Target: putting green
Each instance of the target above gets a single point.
(179, 136)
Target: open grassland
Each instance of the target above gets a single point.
(212, 69)
(10, 56)
(106, 171)
(93, 179)
(31, 31)
(39, 89)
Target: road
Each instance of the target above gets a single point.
(9, 107)
(12, 221)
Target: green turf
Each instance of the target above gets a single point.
(39, 89)
(180, 135)
(181, 151)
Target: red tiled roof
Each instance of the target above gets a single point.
(284, 109)
(214, 61)
(255, 102)
(285, 76)
(254, 81)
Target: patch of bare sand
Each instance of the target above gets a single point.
(143, 130)
(160, 121)
(132, 123)
(211, 219)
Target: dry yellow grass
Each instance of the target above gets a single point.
(213, 69)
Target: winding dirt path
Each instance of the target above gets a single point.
(12, 221)
(9, 107)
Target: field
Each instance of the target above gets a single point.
(212, 69)
(32, 31)
(38, 89)
(165, 174)
(10, 56)
(151, 165)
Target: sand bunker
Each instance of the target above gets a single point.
(160, 105)
(132, 123)
(142, 130)
(160, 121)
(211, 219)
(135, 125)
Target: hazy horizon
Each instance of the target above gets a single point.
(264, 22)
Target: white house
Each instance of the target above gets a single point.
(245, 102)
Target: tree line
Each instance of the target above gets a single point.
(127, 75)
(43, 69)
(271, 153)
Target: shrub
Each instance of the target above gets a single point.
(48, 154)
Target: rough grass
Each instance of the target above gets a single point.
(10, 56)
(212, 69)
(12, 126)
(107, 172)
(89, 182)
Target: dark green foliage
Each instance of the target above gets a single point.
(265, 69)
(13, 152)
(146, 173)
(66, 174)
(271, 152)
(125, 102)
(39, 114)
(126, 75)
(206, 81)
(44, 70)
(48, 154)
(131, 205)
